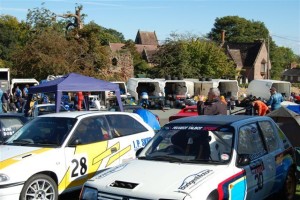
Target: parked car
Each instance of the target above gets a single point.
(188, 111)
(205, 157)
(133, 109)
(56, 153)
(9, 124)
(42, 109)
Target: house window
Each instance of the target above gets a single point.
(286, 78)
(263, 67)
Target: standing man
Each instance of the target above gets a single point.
(213, 105)
(25, 91)
(275, 100)
(5, 102)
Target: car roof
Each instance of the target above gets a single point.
(76, 114)
(14, 115)
(217, 119)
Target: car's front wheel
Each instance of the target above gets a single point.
(289, 187)
(39, 186)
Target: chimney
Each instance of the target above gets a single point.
(223, 36)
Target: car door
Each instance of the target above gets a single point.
(101, 142)
(130, 135)
(251, 147)
(88, 150)
(276, 151)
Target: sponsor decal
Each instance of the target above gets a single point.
(140, 142)
(257, 167)
(110, 171)
(194, 179)
(233, 187)
(7, 131)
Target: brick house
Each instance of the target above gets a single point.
(146, 44)
(292, 75)
(250, 59)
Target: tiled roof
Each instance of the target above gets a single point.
(248, 52)
(236, 56)
(116, 46)
(146, 38)
(292, 72)
(141, 47)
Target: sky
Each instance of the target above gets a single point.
(197, 17)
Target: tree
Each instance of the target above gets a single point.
(192, 57)
(40, 18)
(238, 29)
(282, 58)
(13, 35)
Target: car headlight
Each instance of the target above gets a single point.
(88, 193)
(3, 177)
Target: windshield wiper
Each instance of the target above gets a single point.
(165, 158)
(204, 161)
(22, 141)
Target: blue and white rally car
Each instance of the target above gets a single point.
(205, 158)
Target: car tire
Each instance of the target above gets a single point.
(39, 186)
(289, 187)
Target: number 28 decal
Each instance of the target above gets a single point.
(79, 167)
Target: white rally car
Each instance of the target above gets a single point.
(57, 153)
(205, 158)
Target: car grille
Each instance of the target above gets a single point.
(109, 196)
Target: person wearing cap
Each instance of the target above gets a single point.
(275, 99)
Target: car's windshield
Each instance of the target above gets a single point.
(195, 143)
(43, 131)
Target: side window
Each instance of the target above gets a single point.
(269, 135)
(250, 142)
(88, 131)
(122, 125)
(103, 126)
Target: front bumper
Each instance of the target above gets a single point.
(11, 191)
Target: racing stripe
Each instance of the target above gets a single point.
(11, 161)
(95, 154)
(234, 185)
(118, 155)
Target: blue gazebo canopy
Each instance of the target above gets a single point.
(74, 83)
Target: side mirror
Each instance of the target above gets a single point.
(243, 160)
(74, 142)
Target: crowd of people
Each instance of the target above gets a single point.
(215, 104)
(14, 101)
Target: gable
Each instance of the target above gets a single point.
(245, 53)
(146, 38)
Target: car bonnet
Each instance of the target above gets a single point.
(156, 177)
(9, 153)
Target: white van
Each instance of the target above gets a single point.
(152, 87)
(228, 88)
(110, 96)
(261, 88)
(178, 91)
(22, 82)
